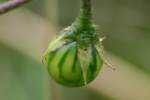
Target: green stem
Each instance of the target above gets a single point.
(85, 15)
(85, 9)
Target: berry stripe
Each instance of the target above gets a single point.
(60, 65)
(51, 55)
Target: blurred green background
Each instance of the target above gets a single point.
(25, 33)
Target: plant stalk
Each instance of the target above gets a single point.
(11, 4)
(85, 15)
(86, 9)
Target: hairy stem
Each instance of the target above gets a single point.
(86, 8)
(85, 15)
(11, 4)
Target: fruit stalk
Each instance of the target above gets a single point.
(85, 15)
(86, 8)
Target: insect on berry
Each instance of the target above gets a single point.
(74, 58)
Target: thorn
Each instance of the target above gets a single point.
(102, 39)
(109, 65)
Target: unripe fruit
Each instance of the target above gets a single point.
(73, 62)
(74, 58)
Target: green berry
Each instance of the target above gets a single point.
(74, 58)
(64, 65)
